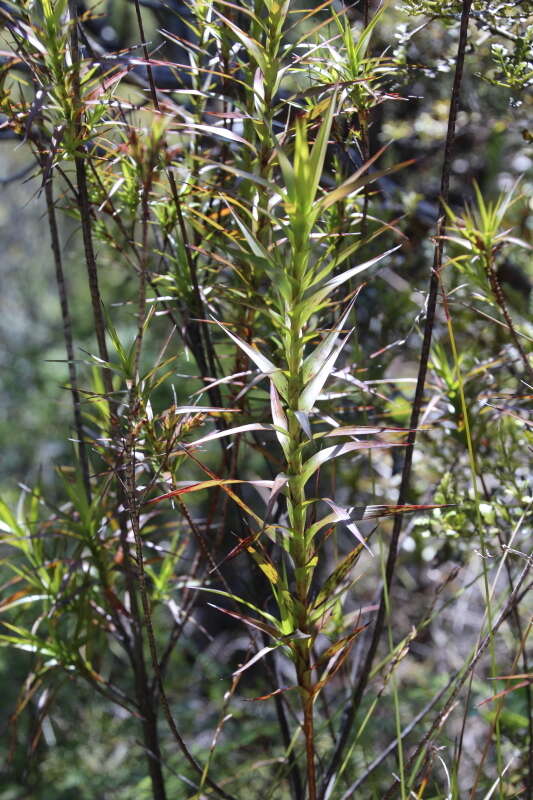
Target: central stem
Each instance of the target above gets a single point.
(300, 548)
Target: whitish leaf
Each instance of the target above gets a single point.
(360, 430)
(220, 381)
(321, 294)
(343, 515)
(374, 512)
(202, 410)
(265, 365)
(252, 426)
(338, 280)
(315, 360)
(329, 453)
(213, 130)
(279, 419)
(303, 420)
(280, 481)
(309, 395)
(257, 657)
(19, 598)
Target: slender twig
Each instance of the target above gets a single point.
(500, 299)
(394, 744)
(67, 334)
(85, 206)
(514, 599)
(359, 689)
(134, 514)
(198, 311)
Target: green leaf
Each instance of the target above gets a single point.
(337, 577)
(318, 152)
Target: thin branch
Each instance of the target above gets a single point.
(85, 208)
(359, 689)
(348, 794)
(513, 600)
(67, 334)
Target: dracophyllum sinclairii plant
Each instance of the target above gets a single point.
(303, 285)
(481, 233)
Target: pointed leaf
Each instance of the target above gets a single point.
(309, 395)
(198, 486)
(253, 623)
(251, 45)
(374, 512)
(318, 152)
(214, 130)
(257, 657)
(323, 456)
(358, 180)
(203, 410)
(279, 419)
(303, 420)
(343, 515)
(252, 426)
(338, 280)
(315, 360)
(262, 362)
(256, 247)
(337, 576)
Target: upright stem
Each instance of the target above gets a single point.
(488, 262)
(67, 334)
(300, 549)
(85, 206)
(359, 689)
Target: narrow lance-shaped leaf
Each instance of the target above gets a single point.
(251, 45)
(279, 419)
(303, 421)
(255, 246)
(315, 360)
(236, 599)
(198, 486)
(338, 280)
(361, 430)
(338, 654)
(263, 363)
(203, 410)
(318, 152)
(343, 515)
(338, 515)
(357, 181)
(253, 623)
(309, 395)
(375, 512)
(252, 426)
(337, 576)
(329, 453)
(263, 652)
